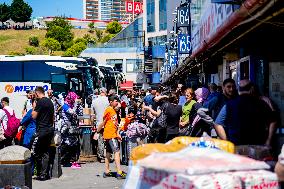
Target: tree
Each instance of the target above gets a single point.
(60, 29)
(51, 44)
(114, 27)
(4, 13)
(33, 41)
(20, 11)
(99, 34)
(91, 27)
(107, 38)
(76, 49)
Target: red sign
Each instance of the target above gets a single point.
(134, 7)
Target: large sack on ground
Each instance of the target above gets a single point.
(195, 161)
(222, 144)
(145, 150)
(14, 153)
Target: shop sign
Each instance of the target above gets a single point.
(134, 7)
(183, 16)
(184, 44)
(213, 17)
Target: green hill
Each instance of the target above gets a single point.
(15, 41)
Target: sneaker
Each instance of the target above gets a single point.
(121, 176)
(76, 166)
(109, 174)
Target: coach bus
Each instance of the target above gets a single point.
(19, 74)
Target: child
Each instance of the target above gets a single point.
(111, 138)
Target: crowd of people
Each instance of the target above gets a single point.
(123, 121)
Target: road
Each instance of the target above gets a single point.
(89, 176)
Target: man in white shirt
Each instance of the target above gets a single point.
(99, 106)
(4, 119)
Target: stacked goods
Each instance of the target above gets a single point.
(145, 150)
(221, 144)
(201, 165)
(177, 144)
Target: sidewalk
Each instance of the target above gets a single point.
(89, 176)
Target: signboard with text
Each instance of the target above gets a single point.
(184, 44)
(134, 7)
(212, 19)
(183, 16)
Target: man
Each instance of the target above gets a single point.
(4, 121)
(215, 104)
(244, 119)
(111, 137)
(44, 116)
(28, 103)
(149, 99)
(99, 106)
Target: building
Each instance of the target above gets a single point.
(239, 41)
(157, 24)
(107, 10)
(125, 52)
(91, 9)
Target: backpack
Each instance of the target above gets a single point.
(13, 125)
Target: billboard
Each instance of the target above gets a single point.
(134, 7)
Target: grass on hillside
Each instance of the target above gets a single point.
(15, 41)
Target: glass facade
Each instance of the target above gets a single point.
(163, 14)
(131, 36)
(150, 15)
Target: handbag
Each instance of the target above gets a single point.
(162, 119)
(19, 135)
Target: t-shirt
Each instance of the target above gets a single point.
(110, 129)
(45, 110)
(4, 117)
(186, 110)
(99, 106)
(148, 100)
(173, 113)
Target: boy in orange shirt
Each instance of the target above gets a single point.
(111, 138)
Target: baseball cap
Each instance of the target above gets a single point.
(103, 90)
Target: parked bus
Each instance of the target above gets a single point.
(19, 74)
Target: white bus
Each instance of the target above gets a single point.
(19, 74)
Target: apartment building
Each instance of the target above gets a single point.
(107, 10)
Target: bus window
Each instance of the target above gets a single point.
(39, 71)
(11, 71)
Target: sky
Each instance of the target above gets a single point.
(73, 8)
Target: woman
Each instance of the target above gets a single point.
(28, 127)
(173, 111)
(199, 126)
(69, 129)
(186, 109)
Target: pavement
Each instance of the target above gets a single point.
(89, 176)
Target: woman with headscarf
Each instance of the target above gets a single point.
(69, 129)
(198, 125)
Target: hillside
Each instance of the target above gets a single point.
(17, 40)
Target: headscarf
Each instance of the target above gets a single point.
(201, 94)
(71, 98)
